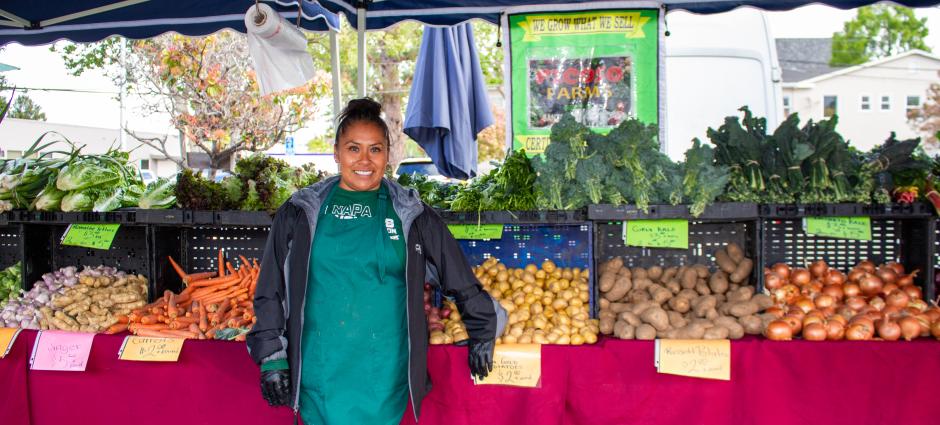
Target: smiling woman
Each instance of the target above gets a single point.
(361, 148)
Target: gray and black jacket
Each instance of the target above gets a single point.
(280, 298)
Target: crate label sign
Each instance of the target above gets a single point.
(147, 349)
(839, 227)
(709, 359)
(476, 232)
(518, 365)
(62, 351)
(7, 338)
(657, 233)
(97, 236)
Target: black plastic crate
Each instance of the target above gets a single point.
(729, 211)
(196, 249)
(909, 241)
(161, 216)
(43, 251)
(505, 217)
(704, 239)
(242, 218)
(894, 210)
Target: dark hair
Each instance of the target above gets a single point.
(361, 110)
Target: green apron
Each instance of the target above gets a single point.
(355, 336)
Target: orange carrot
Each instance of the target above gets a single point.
(230, 268)
(179, 333)
(192, 277)
(203, 320)
(122, 318)
(245, 263)
(135, 327)
(179, 270)
(116, 328)
(155, 333)
(171, 306)
(225, 294)
(214, 281)
(221, 263)
(149, 319)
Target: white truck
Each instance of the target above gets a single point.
(714, 65)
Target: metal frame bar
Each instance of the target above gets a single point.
(89, 12)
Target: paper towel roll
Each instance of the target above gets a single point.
(278, 50)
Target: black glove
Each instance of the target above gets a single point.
(481, 357)
(275, 387)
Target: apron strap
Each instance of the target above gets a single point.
(382, 210)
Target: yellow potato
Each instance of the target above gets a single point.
(577, 339)
(563, 340)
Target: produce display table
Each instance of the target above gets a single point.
(613, 382)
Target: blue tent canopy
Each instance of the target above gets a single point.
(42, 22)
(381, 14)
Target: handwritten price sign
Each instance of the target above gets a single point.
(62, 351)
(657, 233)
(476, 232)
(518, 365)
(151, 349)
(97, 236)
(710, 359)
(858, 228)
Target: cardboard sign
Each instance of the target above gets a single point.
(710, 359)
(672, 233)
(7, 338)
(62, 351)
(147, 349)
(476, 232)
(97, 236)
(839, 227)
(518, 365)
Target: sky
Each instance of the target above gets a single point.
(41, 68)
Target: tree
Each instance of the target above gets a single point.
(392, 55)
(207, 86)
(491, 142)
(23, 106)
(878, 31)
(927, 118)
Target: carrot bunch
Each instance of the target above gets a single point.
(210, 302)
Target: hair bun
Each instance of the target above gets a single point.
(363, 107)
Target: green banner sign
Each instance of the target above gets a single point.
(476, 232)
(600, 66)
(97, 236)
(657, 233)
(839, 227)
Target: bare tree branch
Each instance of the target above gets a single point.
(157, 143)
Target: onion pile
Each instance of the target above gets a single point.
(869, 302)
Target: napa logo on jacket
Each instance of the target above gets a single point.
(349, 212)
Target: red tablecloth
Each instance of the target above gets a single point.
(613, 382)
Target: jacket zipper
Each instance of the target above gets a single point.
(414, 409)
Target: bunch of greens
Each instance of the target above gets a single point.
(98, 182)
(702, 180)
(199, 193)
(580, 167)
(23, 179)
(11, 280)
(509, 187)
(436, 194)
(159, 194)
(812, 164)
(260, 183)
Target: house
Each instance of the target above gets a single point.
(871, 99)
(17, 135)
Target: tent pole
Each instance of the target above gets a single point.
(334, 66)
(89, 12)
(16, 20)
(363, 64)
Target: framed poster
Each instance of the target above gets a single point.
(600, 66)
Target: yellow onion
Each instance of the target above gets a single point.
(835, 330)
(910, 328)
(778, 330)
(815, 332)
(888, 330)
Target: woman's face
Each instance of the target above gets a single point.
(362, 154)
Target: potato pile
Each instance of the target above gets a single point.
(102, 293)
(444, 323)
(688, 302)
(546, 305)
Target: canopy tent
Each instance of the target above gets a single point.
(42, 22)
(381, 14)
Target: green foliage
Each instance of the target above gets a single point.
(25, 108)
(878, 31)
(11, 282)
(159, 194)
(625, 166)
(702, 180)
(196, 192)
